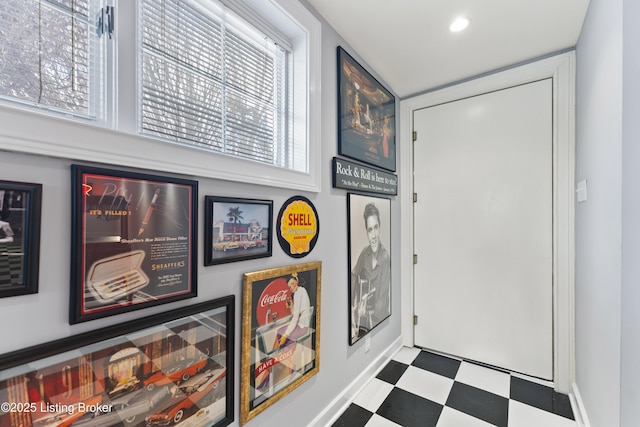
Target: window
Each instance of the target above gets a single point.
(217, 91)
(212, 81)
(46, 54)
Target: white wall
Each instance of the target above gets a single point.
(630, 369)
(33, 319)
(599, 93)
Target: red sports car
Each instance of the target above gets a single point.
(176, 373)
(185, 397)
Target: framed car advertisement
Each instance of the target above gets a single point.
(237, 229)
(170, 368)
(280, 334)
(134, 241)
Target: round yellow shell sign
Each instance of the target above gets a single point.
(298, 226)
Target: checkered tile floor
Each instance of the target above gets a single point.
(11, 263)
(419, 388)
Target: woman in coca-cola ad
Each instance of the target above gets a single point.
(299, 304)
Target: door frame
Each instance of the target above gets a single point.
(561, 68)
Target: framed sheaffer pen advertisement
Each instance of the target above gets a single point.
(165, 369)
(369, 220)
(237, 229)
(280, 334)
(19, 237)
(366, 115)
(133, 243)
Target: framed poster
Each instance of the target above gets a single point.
(369, 220)
(134, 241)
(366, 115)
(237, 229)
(280, 334)
(170, 368)
(19, 237)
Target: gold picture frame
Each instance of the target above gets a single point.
(280, 344)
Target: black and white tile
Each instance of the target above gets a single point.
(419, 388)
(11, 258)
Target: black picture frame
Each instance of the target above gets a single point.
(366, 115)
(20, 210)
(236, 241)
(369, 287)
(179, 364)
(134, 241)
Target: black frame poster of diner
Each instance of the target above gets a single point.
(366, 116)
(160, 370)
(237, 229)
(134, 241)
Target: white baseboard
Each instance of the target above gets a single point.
(338, 405)
(579, 411)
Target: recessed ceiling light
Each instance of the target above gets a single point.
(459, 24)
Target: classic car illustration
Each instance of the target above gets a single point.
(225, 246)
(181, 371)
(185, 397)
(126, 409)
(246, 244)
(124, 387)
(68, 415)
(259, 243)
(201, 382)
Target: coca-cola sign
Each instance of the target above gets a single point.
(272, 304)
(273, 299)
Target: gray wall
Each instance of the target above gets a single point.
(32, 319)
(630, 369)
(599, 143)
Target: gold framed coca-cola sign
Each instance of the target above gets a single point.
(280, 334)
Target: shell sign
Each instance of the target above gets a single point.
(298, 226)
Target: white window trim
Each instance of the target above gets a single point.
(43, 134)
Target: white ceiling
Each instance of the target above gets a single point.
(407, 43)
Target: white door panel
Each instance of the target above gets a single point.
(483, 228)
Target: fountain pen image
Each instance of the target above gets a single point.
(147, 216)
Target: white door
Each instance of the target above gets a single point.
(483, 228)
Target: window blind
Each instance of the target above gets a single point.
(211, 81)
(46, 54)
